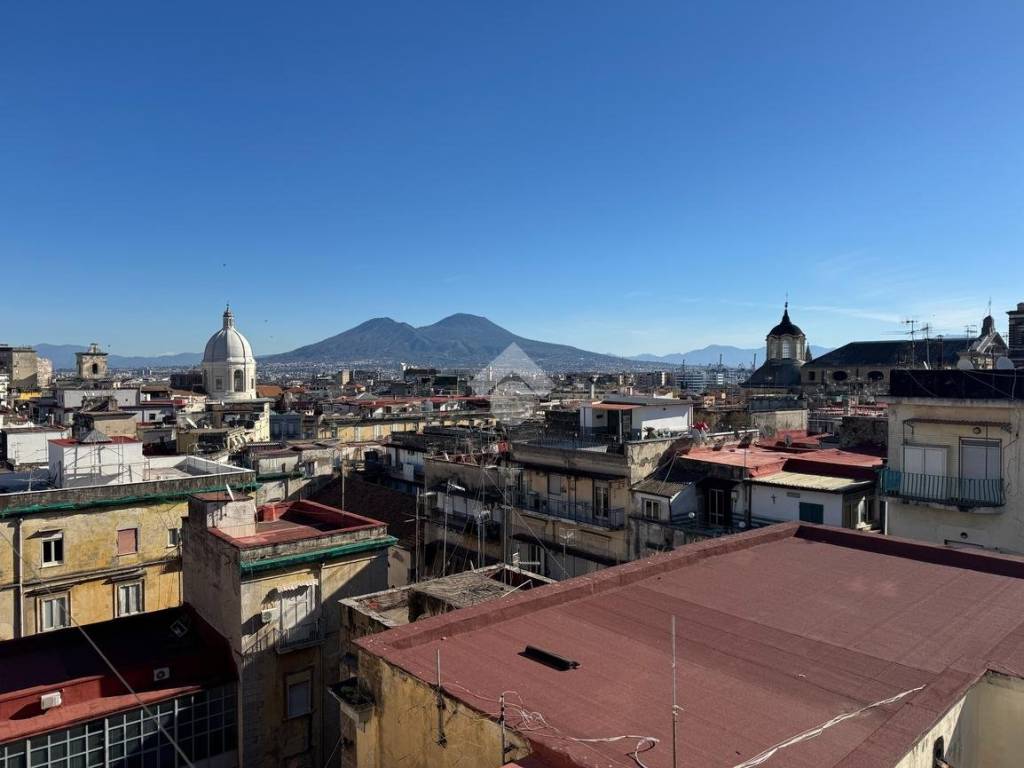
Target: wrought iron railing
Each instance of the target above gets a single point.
(944, 489)
(613, 518)
(307, 632)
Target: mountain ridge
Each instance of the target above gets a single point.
(458, 340)
(709, 355)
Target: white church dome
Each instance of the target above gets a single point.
(228, 345)
(229, 368)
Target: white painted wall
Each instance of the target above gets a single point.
(73, 398)
(673, 416)
(786, 503)
(30, 446)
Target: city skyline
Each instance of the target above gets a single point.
(580, 174)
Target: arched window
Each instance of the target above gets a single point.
(239, 382)
(787, 348)
(95, 368)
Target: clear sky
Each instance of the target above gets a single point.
(626, 177)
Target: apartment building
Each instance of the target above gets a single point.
(96, 536)
(954, 474)
(269, 579)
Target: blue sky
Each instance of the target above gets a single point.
(625, 177)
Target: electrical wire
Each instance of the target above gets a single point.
(103, 656)
(763, 757)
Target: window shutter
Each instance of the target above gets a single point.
(127, 541)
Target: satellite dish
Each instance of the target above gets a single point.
(965, 365)
(1004, 364)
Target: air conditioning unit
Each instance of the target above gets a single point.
(50, 700)
(267, 615)
(161, 673)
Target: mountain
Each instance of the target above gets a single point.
(459, 340)
(709, 355)
(63, 356)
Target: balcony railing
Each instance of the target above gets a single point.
(943, 489)
(301, 635)
(613, 518)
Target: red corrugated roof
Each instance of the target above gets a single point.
(779, 630)
(117, 440)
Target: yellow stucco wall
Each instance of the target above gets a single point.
(403, 727)
(91, 569)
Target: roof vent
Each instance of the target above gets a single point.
(50, 700)
(549, 659)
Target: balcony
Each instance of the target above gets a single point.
(613, 518)
(461, 521)
(302, 635)
(943, 489)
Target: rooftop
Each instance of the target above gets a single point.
(68, 442)
(157, 477)
(292, 521)
(890, 353)
(760, 460)
(779, 630)
(177, 638)
(804, 481)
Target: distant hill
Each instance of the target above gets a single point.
(63, 356)
(460, 340)
(732, 356)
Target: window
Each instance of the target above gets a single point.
(173, 537)
(152, 417)
(300, 696)
(810, 375)
(839, 376)
(53, 613)
(717, 507)
(239, 382)
(129, 598)
(980, 460)
(128, 541)
(601, 494)
(652, 509)
(95, 368)
(53, 548)
(787, 348)
(298, 615)
(812, 513)
(924, 460)
(554, 485)
(218, 384)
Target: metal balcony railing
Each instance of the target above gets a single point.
(612, 518)
(943, 489)
(301, 635)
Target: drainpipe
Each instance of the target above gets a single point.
(20, 589)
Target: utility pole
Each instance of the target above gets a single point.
(416, 542)
(441, 738)
(501, 720)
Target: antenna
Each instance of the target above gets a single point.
(675, 705)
